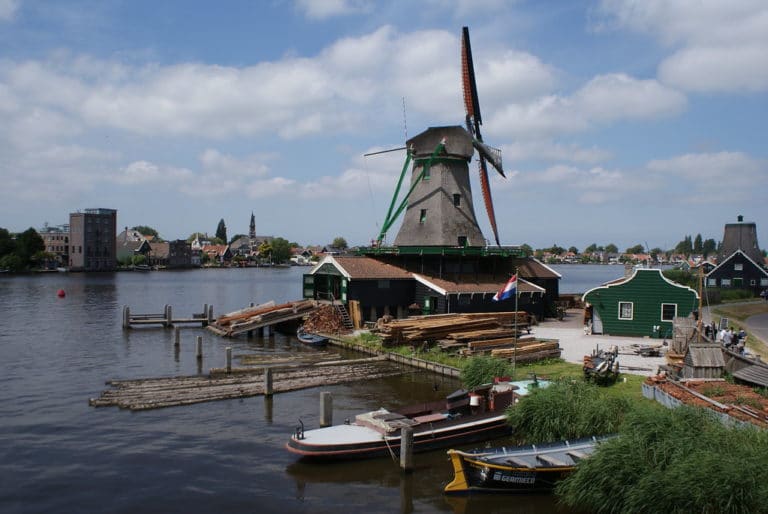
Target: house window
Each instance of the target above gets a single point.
(764, 281)
(456, 200)
(753, 282)
(423, 217)
(712, 282)
(738, 266)
(726, 282)
(383, 284)
(626, 310)
(426, 173)
(462, 241)
(668, 311)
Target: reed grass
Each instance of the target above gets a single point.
(674, 461)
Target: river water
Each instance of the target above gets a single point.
(58, 454)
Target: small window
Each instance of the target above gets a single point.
(668, 311)
(456, 200)
(423, 217)
(726, 282)
(426, 173)
(764, 281)
(738, 267)
(753, 282)
(626, 310)
(383, 284)
(712, 282)
(462, 241)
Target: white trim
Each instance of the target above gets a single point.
(429, 284)
(731, 257)
(550, 269)
(608, 285)
(328, 259)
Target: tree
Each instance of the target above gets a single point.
(573, 250)
(340, 243)
(28, 243)
(221, 231)
(698, 246)
(685, 246)
(146, 231)
(527, 249)
(655, 252)
(265, 250)
(7, 243)
(281, 250)
(638, 248)
(709, 246)
(611, 248)
(591, 248)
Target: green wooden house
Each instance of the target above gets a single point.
(643, 304)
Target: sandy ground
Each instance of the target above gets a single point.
(575, 344)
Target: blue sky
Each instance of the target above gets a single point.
(620, 122)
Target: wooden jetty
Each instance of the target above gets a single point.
(165, 318)
(220, 384)
(260, 317)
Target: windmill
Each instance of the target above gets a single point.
(438, 206)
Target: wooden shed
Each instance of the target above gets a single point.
(703, 360)
(643, 304)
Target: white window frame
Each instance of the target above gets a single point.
(738, 267)
(631, 311)
(725, 282)
(764, 281)
(712, 282)
(673, 315)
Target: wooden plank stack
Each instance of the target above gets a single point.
(266, 314)
(420, 329)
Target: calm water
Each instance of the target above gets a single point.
(57, 454)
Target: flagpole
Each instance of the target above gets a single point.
(514, 353)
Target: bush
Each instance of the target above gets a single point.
(482, 370)
(675, 461)
(567, 409)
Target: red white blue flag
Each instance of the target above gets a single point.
(508, 291)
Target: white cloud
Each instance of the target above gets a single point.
(8, 9)
(141, 172)
(551, 150)
(716, 46)
(323, 9)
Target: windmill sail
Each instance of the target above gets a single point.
(474, 120)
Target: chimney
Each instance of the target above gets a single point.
(740, 218)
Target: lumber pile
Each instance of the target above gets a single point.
(420, 329)
(236, 322)
(530, 351)
(325, 320)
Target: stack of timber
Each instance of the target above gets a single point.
(326, 319)
(529, 350)
(421, 329)
(266, 314)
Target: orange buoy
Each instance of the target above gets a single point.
(61, 293)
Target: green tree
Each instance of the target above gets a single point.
(526, 248)
(281, 250)
(591, 248)
(265, 250)
(611, 248)
(11, 262)
(147, 231)
(698, 246)
(573, 249)
(7, 243)
(655, 252)
(340, 243)
(28, 243)
(221, 230)
(685, 246)
(638, 248)
(709, 246)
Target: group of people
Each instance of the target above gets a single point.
(729, 338)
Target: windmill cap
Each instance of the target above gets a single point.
(458, 142)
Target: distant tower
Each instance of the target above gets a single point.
(740, 236)
(252, 230)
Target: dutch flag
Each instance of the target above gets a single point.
(509, 290)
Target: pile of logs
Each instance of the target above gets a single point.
(459, 327)
(529, 350)
(264, 314)
(325, 320)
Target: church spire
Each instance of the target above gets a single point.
(252, 232)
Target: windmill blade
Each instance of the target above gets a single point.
(471, 102)
(486, 189)
(491, 154)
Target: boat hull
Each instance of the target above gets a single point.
(523, 470)
(424, 439)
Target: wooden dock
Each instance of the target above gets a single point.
(165, 318)
(260, 317)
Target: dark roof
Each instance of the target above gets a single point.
(483, 285)
(756, 374)
(533, 268)
(705, 355)
(361, 268)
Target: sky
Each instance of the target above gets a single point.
(619, 121)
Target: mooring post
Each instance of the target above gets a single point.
(199, 348)
(168, 316)
(229, 359)
(268, 382)
(176, 337)
(326, 409)
(406, 449)
(250, 332)
(210, 314)
(126, 317)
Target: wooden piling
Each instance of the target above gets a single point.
(268, 382)
(406, 449)
(250, 332)
(168, 316)
(229, 359)
(199, 348)
(126, 317)
(210, 314)
(326, 409)
(176, 337)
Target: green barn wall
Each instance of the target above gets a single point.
(647, 290)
